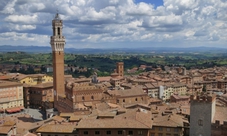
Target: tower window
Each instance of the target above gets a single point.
(200, 122)
(59, 31)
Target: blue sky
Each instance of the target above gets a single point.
(155, 2)
(116, 23)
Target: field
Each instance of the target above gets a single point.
(106, 63)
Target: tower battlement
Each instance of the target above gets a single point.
(203, 98)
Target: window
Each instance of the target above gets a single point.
(176, 135)
(85, 132)
(92, 97)
(200, 122)
(160, 134)
(97, 132)
(152, 134)
(130, 132)
(176, 130)
(136, 99)
(168, 129)
(160, 129)
(120, 132)
(123, 100)
(83, 98)
(140, 132)
(108, 132)
(58, 30)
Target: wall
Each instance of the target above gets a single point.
(200, 118)
(166, 131)
(11, 96)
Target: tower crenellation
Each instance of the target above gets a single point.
(203, 98)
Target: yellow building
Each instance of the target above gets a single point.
(170, 89)
(11, 97)
(33, 79)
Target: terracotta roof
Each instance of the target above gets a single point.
(75, 118)
(20, 76)
(63, 114)
(137, 105)
(102, 79)
(170, 121)
(178, 97)
(9, 123)
(111, 123)
(5, 129)
(4, 77)
(56, 128)
(112, 105)
(9, 84)
(58, 118)
(220, 114)
(130, 92)
(102, 106)
(107, 114)
(30, 134)
(154, 100)
(43, 85)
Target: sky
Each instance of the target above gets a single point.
(116, 23)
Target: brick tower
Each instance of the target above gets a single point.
(120, 68)
(57, 42)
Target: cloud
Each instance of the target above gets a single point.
(103, 23)
(22, 19)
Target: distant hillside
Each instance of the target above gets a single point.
(47, 49)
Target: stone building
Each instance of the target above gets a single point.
(39, 96)
(202, 112)
(11, 97)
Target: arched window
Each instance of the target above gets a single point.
(59, 31)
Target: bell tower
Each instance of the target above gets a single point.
(57, 41)
(120, 68)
